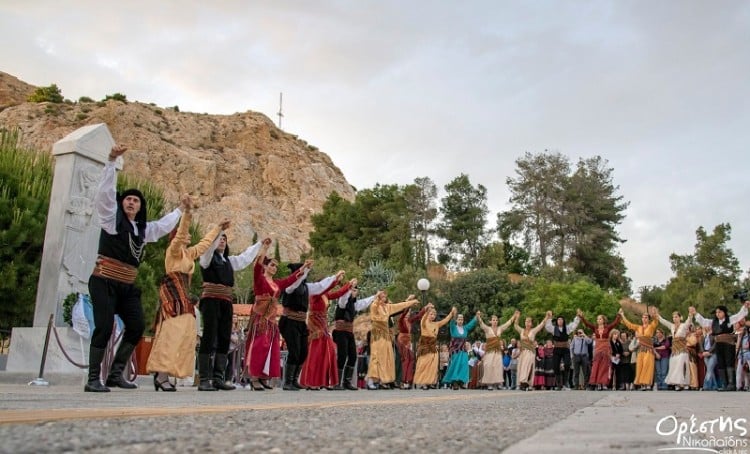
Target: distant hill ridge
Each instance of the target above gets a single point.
(240, 166)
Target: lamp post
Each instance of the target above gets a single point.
(423, 285)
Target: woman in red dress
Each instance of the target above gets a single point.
(600, 372)
(262, 347)
(320, 368)
(403, 343)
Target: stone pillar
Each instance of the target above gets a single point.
(70, 246)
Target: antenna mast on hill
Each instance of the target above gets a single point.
(281, 115)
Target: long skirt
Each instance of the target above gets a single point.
(458, 368)
(319, 369)
(263, 350)
(173, 347)
(382, 367)
(679, 372)
(403, 343)
(493, 368)
(427, 369)
(526, 367)
(600, 368)
(644, 369)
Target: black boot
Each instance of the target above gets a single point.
(204, 372)
(339, 386)
(94, 385)
(220, 365)
(296, 375)
(122, 357)
(731, 379)
(290, 372)
(347, 380)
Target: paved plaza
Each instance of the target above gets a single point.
(61, 418)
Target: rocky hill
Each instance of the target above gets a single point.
(241, 165)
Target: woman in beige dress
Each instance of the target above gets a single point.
(528, 350)
(382, 370)
(493, 354)
(426, 373)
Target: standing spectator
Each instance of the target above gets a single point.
(662, 350)
(709, 359)
(616, 347)
(581, 363)
(625, 362)
(515, 352)
(506, 367)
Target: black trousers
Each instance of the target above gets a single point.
(725, 355)
(559, 355)
(110, 297)
(295, 334)
(346, 348)
(217, 325)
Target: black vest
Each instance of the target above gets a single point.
(124, 245)
(722, 328)
(560, 335)
(220, 271)
(347, 314)
(298, 300)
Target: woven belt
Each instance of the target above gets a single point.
(109, 268)
(343, 325)
(216, 291)
(679, 345)
(426, 346)
(297, 316)
(380, 331)
(562, 344)
(726, 338)
(492, 345)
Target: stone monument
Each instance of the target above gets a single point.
(70, 247)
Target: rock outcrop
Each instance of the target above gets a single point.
(240, 166)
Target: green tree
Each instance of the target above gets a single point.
(421, 199)
(25, 186)
(46, 94)
(705, 278)
(117, 97)
(464, 217)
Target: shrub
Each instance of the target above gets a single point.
(83, 99)
(46, 94)
(117, 97)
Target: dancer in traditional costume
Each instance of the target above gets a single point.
(561, 340)
(526, 343)
(426, 373)
(644, 368)
(679, 372)
(722, 327)
(602, 362)
(493, 355)
(263, 346)
(403, 344)
(293, 322)
(217, 269)
(343, 334)
(457, 375)
(320, 368)
(123, 237)
(382, 370)
(173, 345)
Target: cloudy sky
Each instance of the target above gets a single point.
(394, 90)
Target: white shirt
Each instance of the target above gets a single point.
(239, 262)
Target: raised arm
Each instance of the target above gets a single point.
(574, 324)
(182, 237)
(739, 315)
(614, 323)
(666, 323)
(161, 227)
(505, 325)
(335, 294)
(470, 326)
(106, 193)
(325, 285)
(395, 307)
(549, 326)
(242, 261)
(447, 318)
(208, 254)
(626, 322)
(538, 327)
(586, 323)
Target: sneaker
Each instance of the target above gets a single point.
(565, 388)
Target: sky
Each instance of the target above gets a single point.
(395, 90)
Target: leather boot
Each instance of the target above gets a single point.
(220, 365)
(339, 386)
(347, 380)
(290, 372)
(122, 357)
(94, 384)
(204, 372)
(296, 375)
(731, 379)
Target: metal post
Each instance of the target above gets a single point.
(40, 381)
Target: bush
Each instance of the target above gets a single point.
(25, 186)
(46, 94)
(117, 97)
